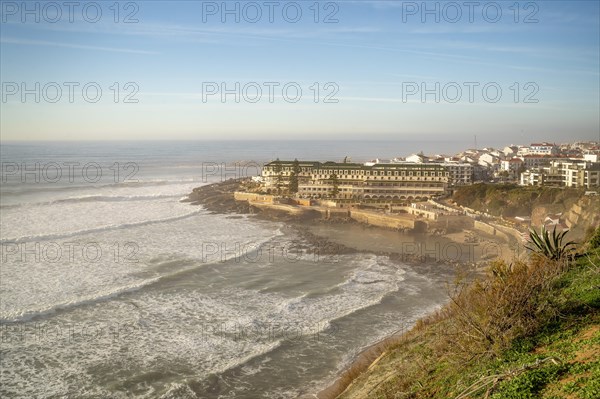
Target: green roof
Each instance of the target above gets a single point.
(353, 165)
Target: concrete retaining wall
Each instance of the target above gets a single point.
(326, 203)
(242, 196)
(489, 229)
(304, 202)
(509, 231)
(431, 215)
(329, 213)
(444, 207)
(382, 220)
(290, 209)
(406, 222)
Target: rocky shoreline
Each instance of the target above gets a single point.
(316, 230)
(218, 197)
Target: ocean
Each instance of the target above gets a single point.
(112, 287)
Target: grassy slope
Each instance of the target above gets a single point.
(559, 358)
(513, 200)
(563, 358)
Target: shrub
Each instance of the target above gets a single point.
(513, 302)
(594, 242)
(550, 246)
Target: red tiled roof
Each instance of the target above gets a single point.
(544, 156)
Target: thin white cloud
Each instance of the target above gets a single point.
(461, 29)
(26, 42)
(207, 33)
(380, 100)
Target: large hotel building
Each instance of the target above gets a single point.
(359, 182)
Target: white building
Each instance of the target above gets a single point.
(416, 158)
(537, 161)
(497, 153)
(459, 174)
(511, 165)
(468, 159)
(543, 149)
(522, 150)
(570, 173)
(533, 177)
(510, 151)
(489, 161)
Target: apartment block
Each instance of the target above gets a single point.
(568, 173)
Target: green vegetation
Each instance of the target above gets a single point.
(512, 200)
(549, 246)
(594, 241)
(279, 171)
(336, 185)
(527, 330)
(293, 188)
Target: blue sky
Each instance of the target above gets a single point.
(371, 53)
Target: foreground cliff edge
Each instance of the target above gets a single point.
(528, 330)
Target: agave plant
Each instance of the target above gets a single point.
(550, 245)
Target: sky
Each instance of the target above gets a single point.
(389, 70)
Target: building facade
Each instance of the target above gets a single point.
(543, 149)
(511, 165)
(569, 173)
(359, 182)
(459, 174)
(537, 161)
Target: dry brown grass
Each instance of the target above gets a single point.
(362, 363)
(488, 314)
(482, 319)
